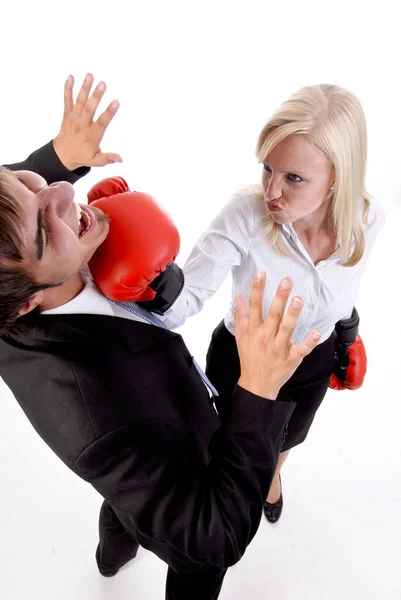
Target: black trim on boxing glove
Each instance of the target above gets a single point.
(347, 329)
(168, 286)
(346, 332)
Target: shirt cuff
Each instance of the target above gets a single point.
(57, 171)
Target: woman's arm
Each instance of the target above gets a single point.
(221, 247)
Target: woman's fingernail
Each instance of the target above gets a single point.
(316, 335)
(101, 87)
(259, 275)
(285, 284)
(115, 104)
(69, 79)
(88, 77)
(296, 302)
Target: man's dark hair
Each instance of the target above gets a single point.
(16, 285)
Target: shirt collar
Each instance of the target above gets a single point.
(89, 301)
(288, 230)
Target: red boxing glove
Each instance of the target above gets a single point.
(142, 242)
(350, 360)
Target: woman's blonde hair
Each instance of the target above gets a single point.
(334, 122)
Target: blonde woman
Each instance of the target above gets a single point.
(310, 219)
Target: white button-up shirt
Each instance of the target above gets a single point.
(90, 301)
(235, 242)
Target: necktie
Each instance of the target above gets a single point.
(137, 310)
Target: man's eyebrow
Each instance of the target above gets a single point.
(39, 237)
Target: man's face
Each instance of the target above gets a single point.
(59, 236)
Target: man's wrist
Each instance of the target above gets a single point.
(60, 154)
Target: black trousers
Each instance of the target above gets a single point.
(117, 547)
(307, 387)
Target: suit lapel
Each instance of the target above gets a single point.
(91, 329)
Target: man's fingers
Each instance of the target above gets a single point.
(289, 322)
(240, 318)
(308, 344)
(256, 300)
(101, 124)
(105, 158)
(91, 105)
(68, 98)
(83, 94)
(113, 158)
(277, 307)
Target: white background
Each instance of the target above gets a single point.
(196, 81)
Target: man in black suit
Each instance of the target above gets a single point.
(121, 402)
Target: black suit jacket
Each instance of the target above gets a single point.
(46, 163)
(122, 405)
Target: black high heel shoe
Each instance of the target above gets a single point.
(273, 511)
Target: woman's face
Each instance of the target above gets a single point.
(296, 180)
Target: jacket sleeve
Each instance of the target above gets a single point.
(209, 512)
(46, 163)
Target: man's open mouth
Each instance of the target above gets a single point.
(84, 221)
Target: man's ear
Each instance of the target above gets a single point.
(31, 303)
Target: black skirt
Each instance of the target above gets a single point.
(307, 387)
